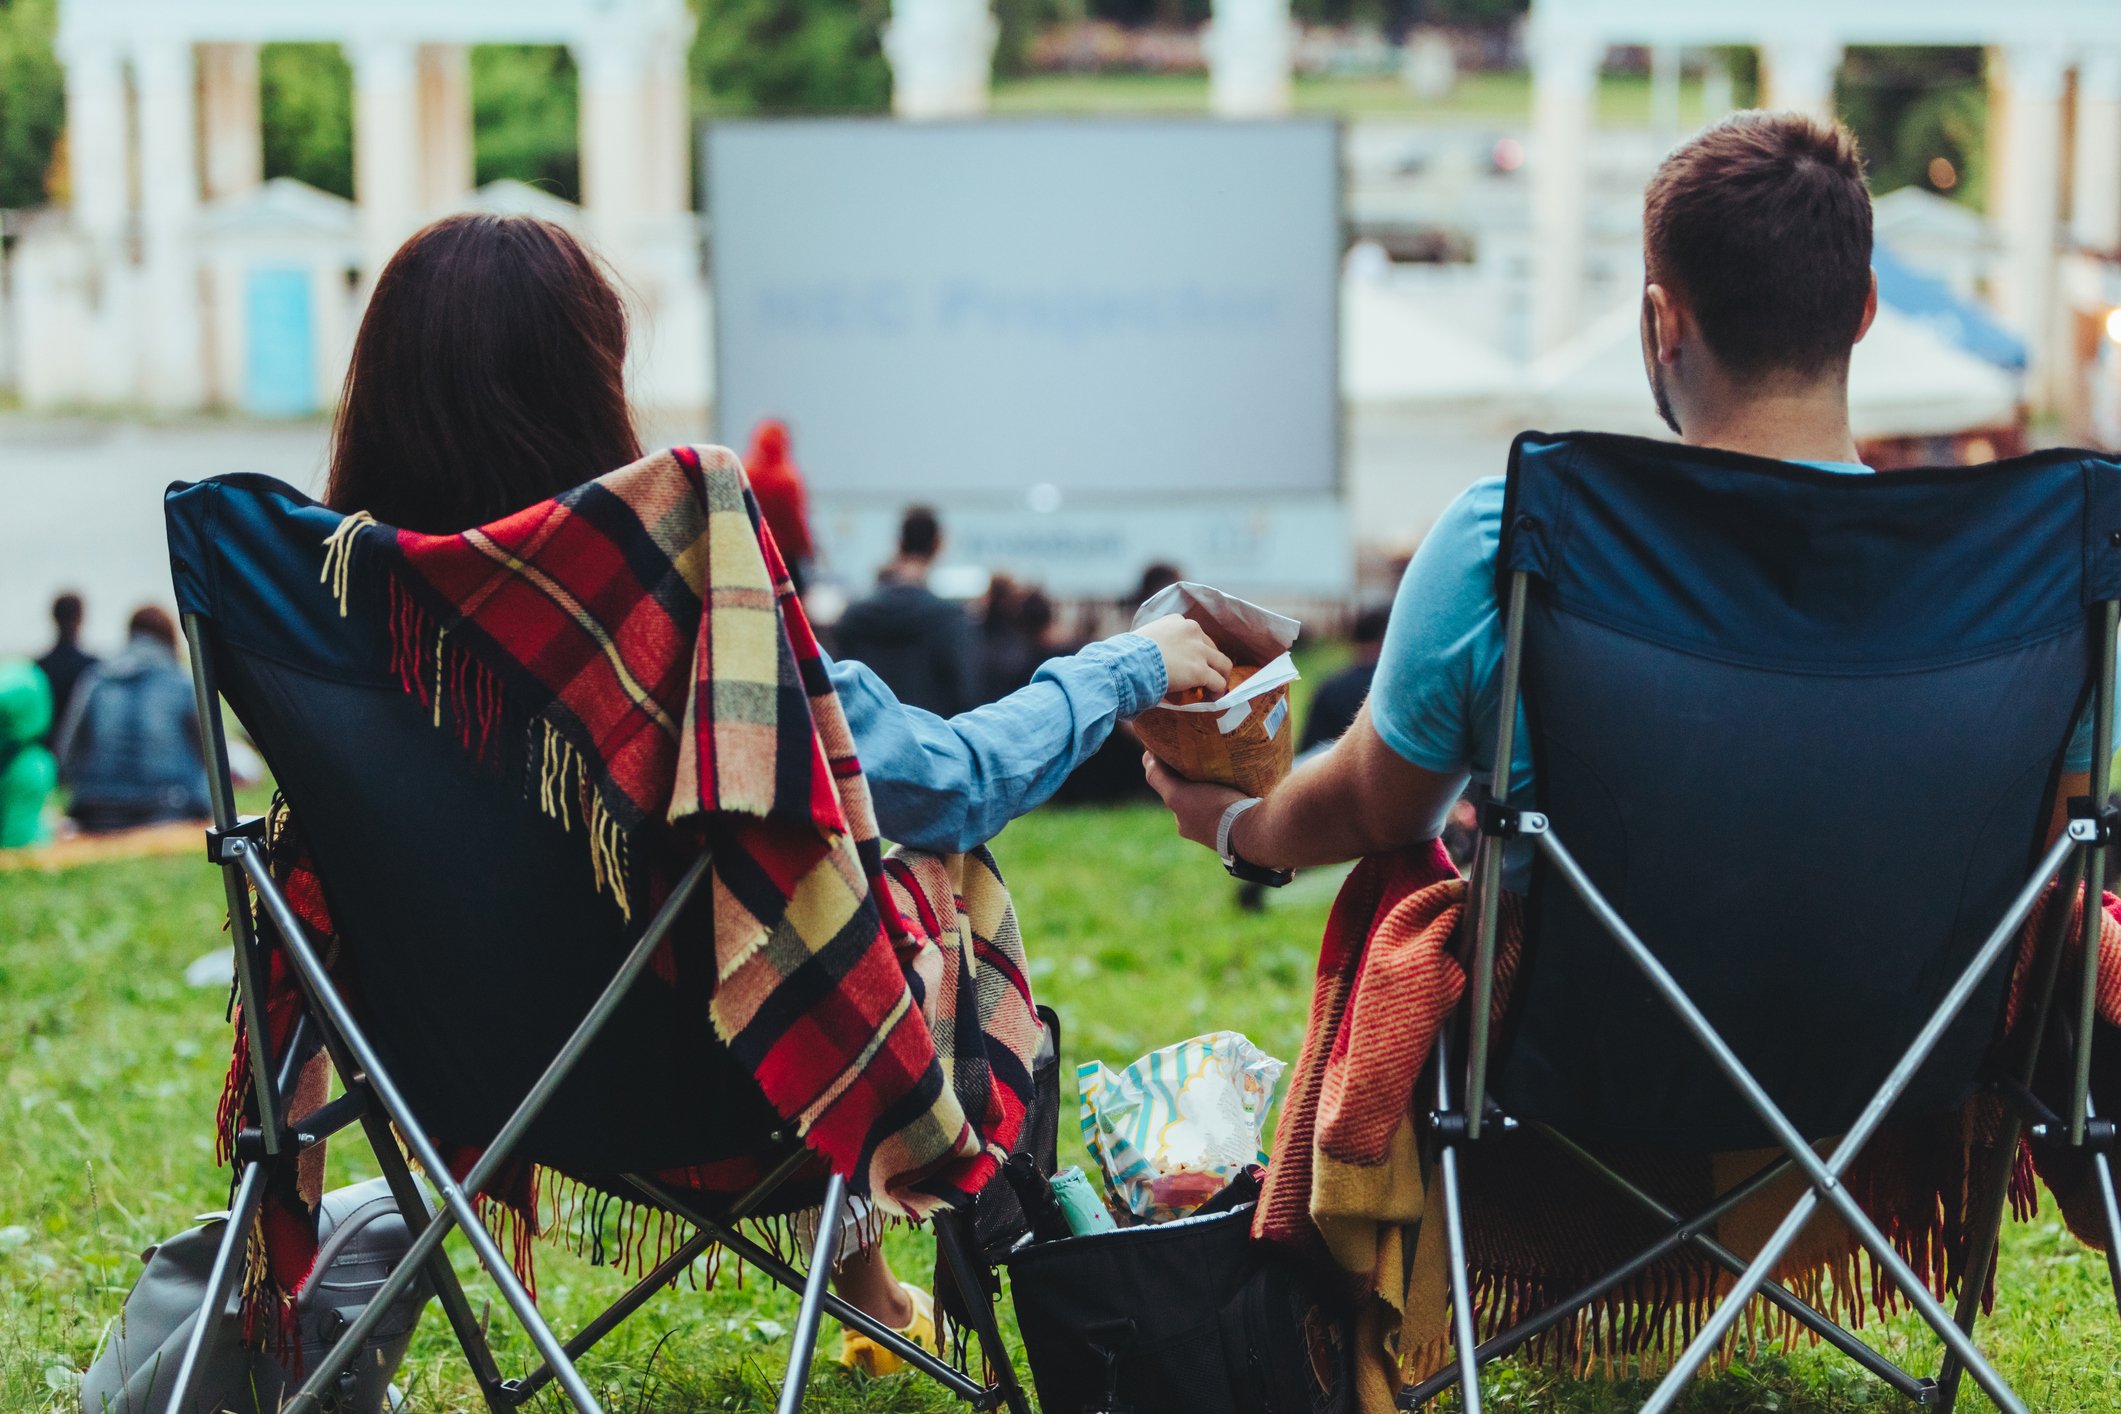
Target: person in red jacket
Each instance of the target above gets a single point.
(782, 500)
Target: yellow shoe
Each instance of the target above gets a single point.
(859, 1352)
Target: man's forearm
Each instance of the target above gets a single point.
(1307, 821)
(1359, 798)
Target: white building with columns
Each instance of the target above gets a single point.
(2051, 62)
(125, 300)
(172, 279)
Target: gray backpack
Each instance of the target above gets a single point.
(361, 1240)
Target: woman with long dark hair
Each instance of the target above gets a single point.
(489, 374)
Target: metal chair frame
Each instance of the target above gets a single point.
(1465, 1109)
(373, 1100)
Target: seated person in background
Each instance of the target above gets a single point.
(27, 774)
(488, 375)
(1339, 697)
(129, 750)
(1757, 237)
(919, 643)
(65, 663)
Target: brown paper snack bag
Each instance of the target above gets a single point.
(1243, 738)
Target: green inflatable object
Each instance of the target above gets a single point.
(28, 774)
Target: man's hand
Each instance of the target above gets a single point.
(1358, 797)
(1198, 805)
(1191, 658)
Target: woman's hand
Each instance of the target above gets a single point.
(1198, 805)
(1191, 658)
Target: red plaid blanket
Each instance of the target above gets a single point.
(642, 631)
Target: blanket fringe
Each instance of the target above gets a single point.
(1641, 1329)
(462, 694)
(632, 1237)
(338, 556)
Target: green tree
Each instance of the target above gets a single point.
(305, 101)
(526, 104)
(790, 56)
(1019, 22)
(32, 100)
(1910, 106)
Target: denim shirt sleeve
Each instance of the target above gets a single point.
(948, 784)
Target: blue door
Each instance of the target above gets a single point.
(280, 377)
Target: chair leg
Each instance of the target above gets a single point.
(220, 1284)
(1696, 1234)
(1455, 1239)
(352, 1053)
(824, 1256)
(2103, 1175)
(779, 1271)
(449, 1292)
(1993, 1192)
(952, 1250)
(1461, 1285)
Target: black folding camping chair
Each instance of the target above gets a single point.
(476, 941)
(1801, 731)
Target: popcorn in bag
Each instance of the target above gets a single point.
(1243, 738)
(1169, 1131)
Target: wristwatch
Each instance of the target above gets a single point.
(1236, 866)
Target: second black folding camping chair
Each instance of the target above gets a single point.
(477, 939)
(1801, 731)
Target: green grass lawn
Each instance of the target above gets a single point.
(1480, 98)
(112, 1065)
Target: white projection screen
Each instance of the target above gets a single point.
(1085, 316)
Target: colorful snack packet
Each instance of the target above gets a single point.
(1172, 1129)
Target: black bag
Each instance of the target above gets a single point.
(1186, 1317)
(998, 1219)
(995, 1221)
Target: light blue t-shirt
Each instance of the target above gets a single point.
(1439, 678)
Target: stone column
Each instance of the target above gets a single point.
(2095, 203)
(1250, 46)
(1564, 104)
(667, 184)
(1718, 92)
(942, 57)
(615, 136)
(231, 136)
(387, 157)
(171, 345)
(1800, 73)
(446, 160)
(2028, 198)
(98, 164)
(1666, 81)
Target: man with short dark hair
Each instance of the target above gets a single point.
(1757, 286)
(920, 538)
(65, 663)
(1757, 256)
(920, 644)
